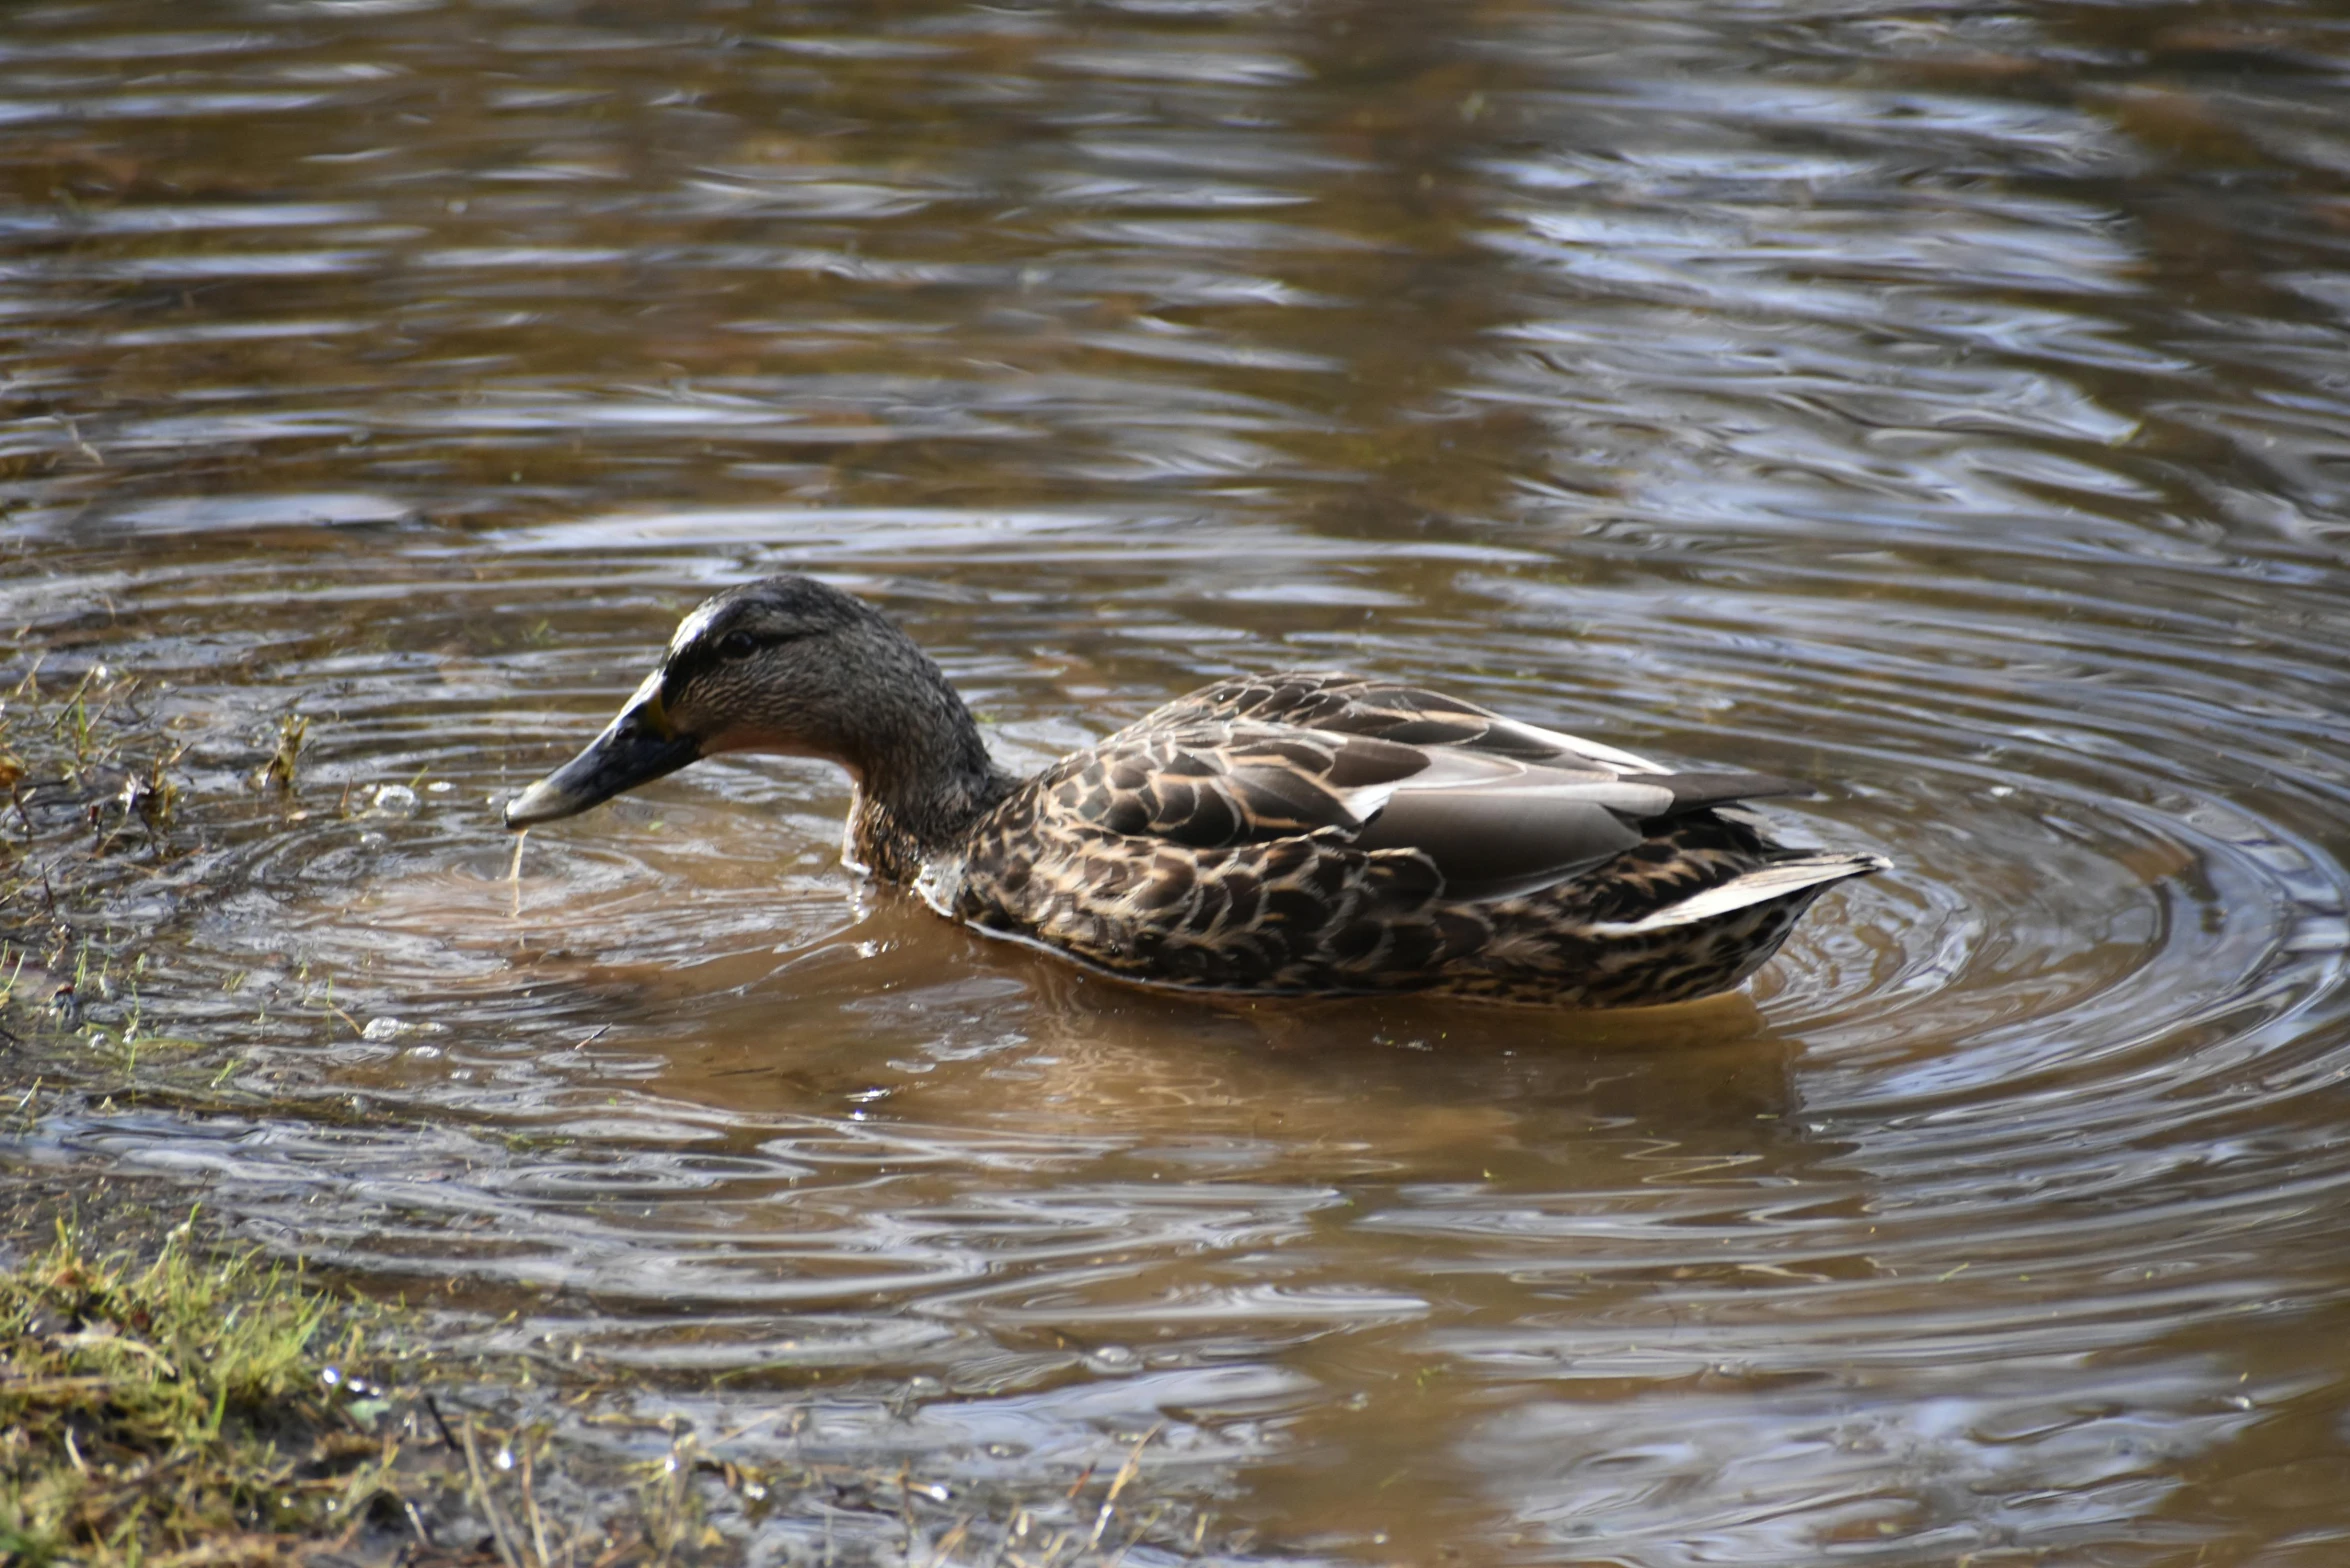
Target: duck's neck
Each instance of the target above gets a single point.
(923, 779)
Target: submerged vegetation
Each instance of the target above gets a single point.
(118, 802)
(94, 791)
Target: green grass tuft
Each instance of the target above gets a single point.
(176, 1411)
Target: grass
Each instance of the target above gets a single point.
(183, 1409)
(197, 1405)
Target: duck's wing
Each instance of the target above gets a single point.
(1344, 704)
(1494, 824)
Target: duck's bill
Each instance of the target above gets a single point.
(632, 750)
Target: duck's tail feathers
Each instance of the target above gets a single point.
(1797, 876)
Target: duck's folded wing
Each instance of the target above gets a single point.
(1500, 834)
(1494, 825)
(1336, 703)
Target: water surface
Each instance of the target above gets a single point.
(1945, 405)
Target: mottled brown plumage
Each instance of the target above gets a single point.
(1282, 834)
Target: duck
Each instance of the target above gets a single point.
(1299, 833)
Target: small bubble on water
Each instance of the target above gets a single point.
(383, 1029)
(505, 1459)
(1113, 1358)
(395, 800)
(439, 787)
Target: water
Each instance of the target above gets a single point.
(1944, 405)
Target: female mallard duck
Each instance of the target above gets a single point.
(1290, 833)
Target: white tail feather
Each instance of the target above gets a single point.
(1755, 887)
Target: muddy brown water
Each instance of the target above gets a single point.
(1950, 405)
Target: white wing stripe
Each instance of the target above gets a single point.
(1581, 747)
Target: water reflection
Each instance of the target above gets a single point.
(1945, 408)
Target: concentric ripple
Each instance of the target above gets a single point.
(1944, 408)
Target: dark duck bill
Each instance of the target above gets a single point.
(637, 747)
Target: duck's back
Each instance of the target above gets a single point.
(1326, 833)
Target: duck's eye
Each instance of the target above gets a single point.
(737, 645)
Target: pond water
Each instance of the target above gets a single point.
(1950, 405)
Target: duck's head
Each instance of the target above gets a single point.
(786, 665)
